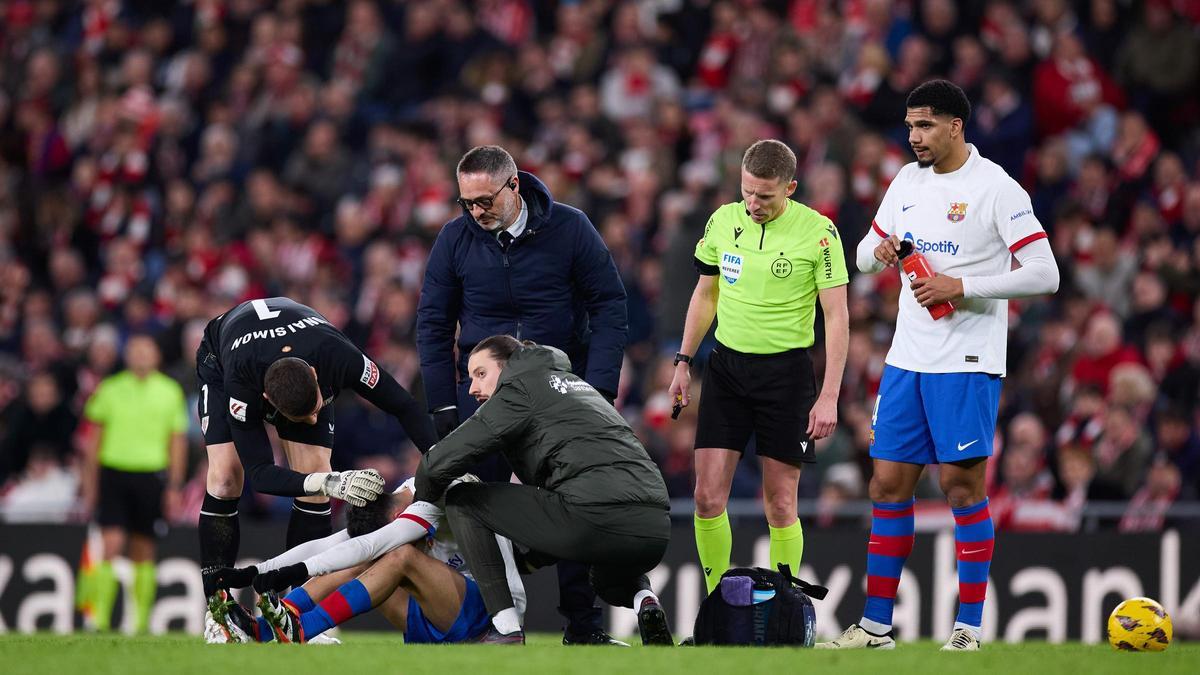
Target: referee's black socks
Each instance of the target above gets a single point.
(309, 521)
(220, 535)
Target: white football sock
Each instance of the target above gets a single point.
(506, 621)
(973, 630)
(874, 627)
(640, 597)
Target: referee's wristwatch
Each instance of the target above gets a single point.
(680, 357)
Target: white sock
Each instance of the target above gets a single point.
(973, 630)
(506, 621)
(640, 597)
(874, 627)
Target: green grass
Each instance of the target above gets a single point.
(363, 653)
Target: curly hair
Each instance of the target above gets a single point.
(943, 97)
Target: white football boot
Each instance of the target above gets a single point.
(856, 637)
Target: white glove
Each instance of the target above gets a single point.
(354, 487)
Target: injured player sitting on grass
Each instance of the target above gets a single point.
(395, 554)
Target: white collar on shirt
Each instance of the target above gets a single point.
(518, 225)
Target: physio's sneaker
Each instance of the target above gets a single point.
(857, 637)
(282, 617)
(232, 619)
(652, 624)
(494, 637)
(961, 640)
(596, 637)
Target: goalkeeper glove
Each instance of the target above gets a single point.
(235, 577)
(354, 487)
(276, 581)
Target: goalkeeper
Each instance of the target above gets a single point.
(393, 555)
(277, 361)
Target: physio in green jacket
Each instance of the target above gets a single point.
(590, 492)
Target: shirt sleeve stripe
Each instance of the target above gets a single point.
(418, 520)
(1026, 241)
(704, 268)
(878, 231)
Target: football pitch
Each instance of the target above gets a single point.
(45, 654)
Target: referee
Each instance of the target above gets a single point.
(141, 418)
(763, 262)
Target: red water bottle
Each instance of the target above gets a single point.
(916, 266)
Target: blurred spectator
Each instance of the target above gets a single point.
(44, 491)
(1105, 278)
(1159, 62)
(1001, 126)
(155, 171)
(1122, 453)
(1147, 509)
(42, 420)
(1102, 351)
(842, 483)
(1178, 442)
(630, 88)
(1073, 95)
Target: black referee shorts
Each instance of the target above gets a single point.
(212, 406)
(130, 500)
(767, 395)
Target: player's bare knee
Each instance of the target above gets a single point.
(399, 559)
(224, 486)
(961, 495)
(886, 489)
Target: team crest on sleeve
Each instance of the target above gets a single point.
(731, 267)
(237, 409)
(370, 373)
(957, 212)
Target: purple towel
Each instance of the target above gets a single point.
(738, 591)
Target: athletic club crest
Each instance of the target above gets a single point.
(958, 211)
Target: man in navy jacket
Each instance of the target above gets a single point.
(518, 263)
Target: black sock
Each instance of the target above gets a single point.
(309, 521)
(220, 535)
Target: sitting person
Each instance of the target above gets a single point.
(392, 555)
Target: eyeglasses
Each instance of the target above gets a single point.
(485, 203)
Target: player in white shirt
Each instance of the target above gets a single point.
(940, 391)
(398, 556)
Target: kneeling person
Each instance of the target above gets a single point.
(591, 494)
(394, 555)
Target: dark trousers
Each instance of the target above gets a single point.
(618, 543)
(576, 599)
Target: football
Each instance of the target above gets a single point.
(1139, 625)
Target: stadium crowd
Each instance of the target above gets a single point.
(162, 161)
